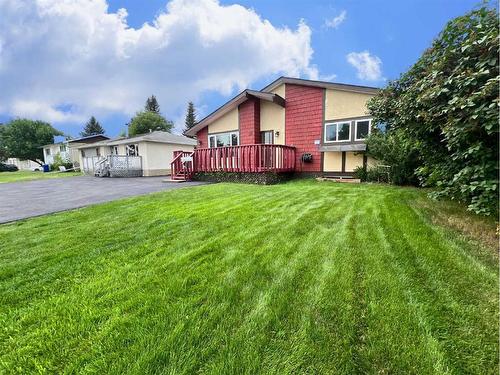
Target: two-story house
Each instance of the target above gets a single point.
(68, 150)
(291, 125)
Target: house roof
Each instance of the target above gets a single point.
(322, 84)
(156, 136)
(89, 139)
(97, 144)
(233, 103)
(265, 94)
(53, 144)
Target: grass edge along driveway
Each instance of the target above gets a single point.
(22, 175)
(303, 277)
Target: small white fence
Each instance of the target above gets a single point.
(116, 165)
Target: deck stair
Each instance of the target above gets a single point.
(102, 168)
(181, 166)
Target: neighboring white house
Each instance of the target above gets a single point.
(147, 154)
(68, 150)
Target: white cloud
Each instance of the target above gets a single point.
(335, 22)
(369, 67)
(64, 60)
(327, 77)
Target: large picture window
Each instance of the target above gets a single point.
(338, 131)
(362, 129)
(223, 139)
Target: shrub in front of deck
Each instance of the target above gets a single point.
(446, 105)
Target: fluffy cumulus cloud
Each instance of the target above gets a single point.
(64, 60)
(368, 66)
(335, 22)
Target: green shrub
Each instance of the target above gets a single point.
(361, 173)
(58, 162)
(445, 112)
(398, 151)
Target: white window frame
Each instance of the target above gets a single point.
(337, 131)
(356, 128)
(224, 133)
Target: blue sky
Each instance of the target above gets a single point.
(390, 35)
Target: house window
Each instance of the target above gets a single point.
(113, 150)
(133, 150)
(223, 139)
(47, 151)
(83, 153)
(338, 132)
(62, 148)
(362, 129)
(97, 151)
(266, 137)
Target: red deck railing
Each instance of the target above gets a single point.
(246, 158)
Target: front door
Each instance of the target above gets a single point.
(267, 138)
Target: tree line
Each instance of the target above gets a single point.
(23, 138)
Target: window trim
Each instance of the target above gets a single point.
(337, 131)
(231, 133)
(356, 128)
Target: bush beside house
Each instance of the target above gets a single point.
(442, 115)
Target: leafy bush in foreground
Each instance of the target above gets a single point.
(445, 109)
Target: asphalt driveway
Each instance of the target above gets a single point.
(20, 200)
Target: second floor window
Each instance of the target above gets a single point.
(223, 139)
(62, 148)
(47, 151)
(362, 129)
(338, 132)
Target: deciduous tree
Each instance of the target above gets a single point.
(23, 138)
(146, 121)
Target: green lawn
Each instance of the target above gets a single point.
(29, 175)
(304, 277)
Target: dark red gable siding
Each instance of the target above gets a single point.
(303, 123)
(202, 137)
(249, 115)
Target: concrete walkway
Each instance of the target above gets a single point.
(20, 200)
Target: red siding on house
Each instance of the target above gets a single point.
(249, 115)
(202, 137)
(303, 123)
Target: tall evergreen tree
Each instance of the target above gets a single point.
(190, 117)
(152, 105)
(92, 127)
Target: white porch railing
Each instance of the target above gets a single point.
(116, 165)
